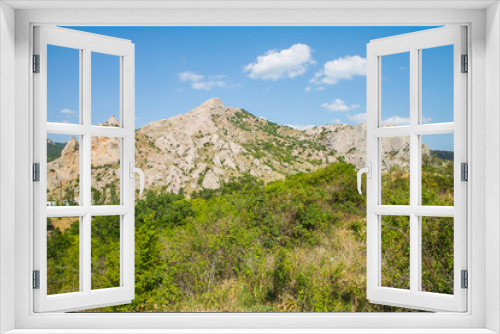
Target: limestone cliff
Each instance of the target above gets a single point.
(212, 144)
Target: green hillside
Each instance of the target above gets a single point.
(54, 150)
(296, 245)
(446, 155)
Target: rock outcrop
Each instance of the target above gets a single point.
(212, 144)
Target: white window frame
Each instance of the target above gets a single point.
(484, 49)
(86, 44)
(413, 44)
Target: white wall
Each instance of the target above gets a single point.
(131, 17)
(492, 164)
(7, 163)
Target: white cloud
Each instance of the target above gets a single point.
(207, 85)
(190, 76)
(274, 65)
(357, 118)
(339, 105)
(398, 120)
(336, 121)
(343, 68)
(301, 127)
(68, 111)
(199, 81)
(308, 88)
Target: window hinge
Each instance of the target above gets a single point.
(36, 279)
(465, 279)
(465, 64)
(464, 167)
(36, 63)
(36, 172)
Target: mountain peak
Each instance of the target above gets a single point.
(112, 121)
(213, 103)
(202, 112)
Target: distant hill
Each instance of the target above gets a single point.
(445, 155)
(213, 144)
(54, 150)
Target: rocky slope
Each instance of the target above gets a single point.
(212, 144)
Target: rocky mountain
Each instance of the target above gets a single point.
(212, 144)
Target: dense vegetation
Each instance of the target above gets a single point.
(296, 245)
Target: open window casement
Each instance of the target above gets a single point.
(73, 173)
(408, 289)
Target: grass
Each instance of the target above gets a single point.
(294, 245)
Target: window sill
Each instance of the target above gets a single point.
(250, 331)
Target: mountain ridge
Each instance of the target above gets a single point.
(212, 144)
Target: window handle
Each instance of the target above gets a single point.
(133, 170)
(368, 171)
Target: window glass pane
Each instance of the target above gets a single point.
(395, 89)
(437, 84)
(63, 255)
(105, 252)
(105, 89)
(437, 254)
(395, 267)
(395, 170)
(63, 170)
(63, 84)
(437, 169)
(105, 171)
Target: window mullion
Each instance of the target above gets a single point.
(422, 129)
(422, 211)
(109, 210)
(85, 168)
(67, 129)
(415, 269)
(434, 129)
(106, 131)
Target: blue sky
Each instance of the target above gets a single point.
(298, 76)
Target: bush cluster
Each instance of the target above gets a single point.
(296, 245)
